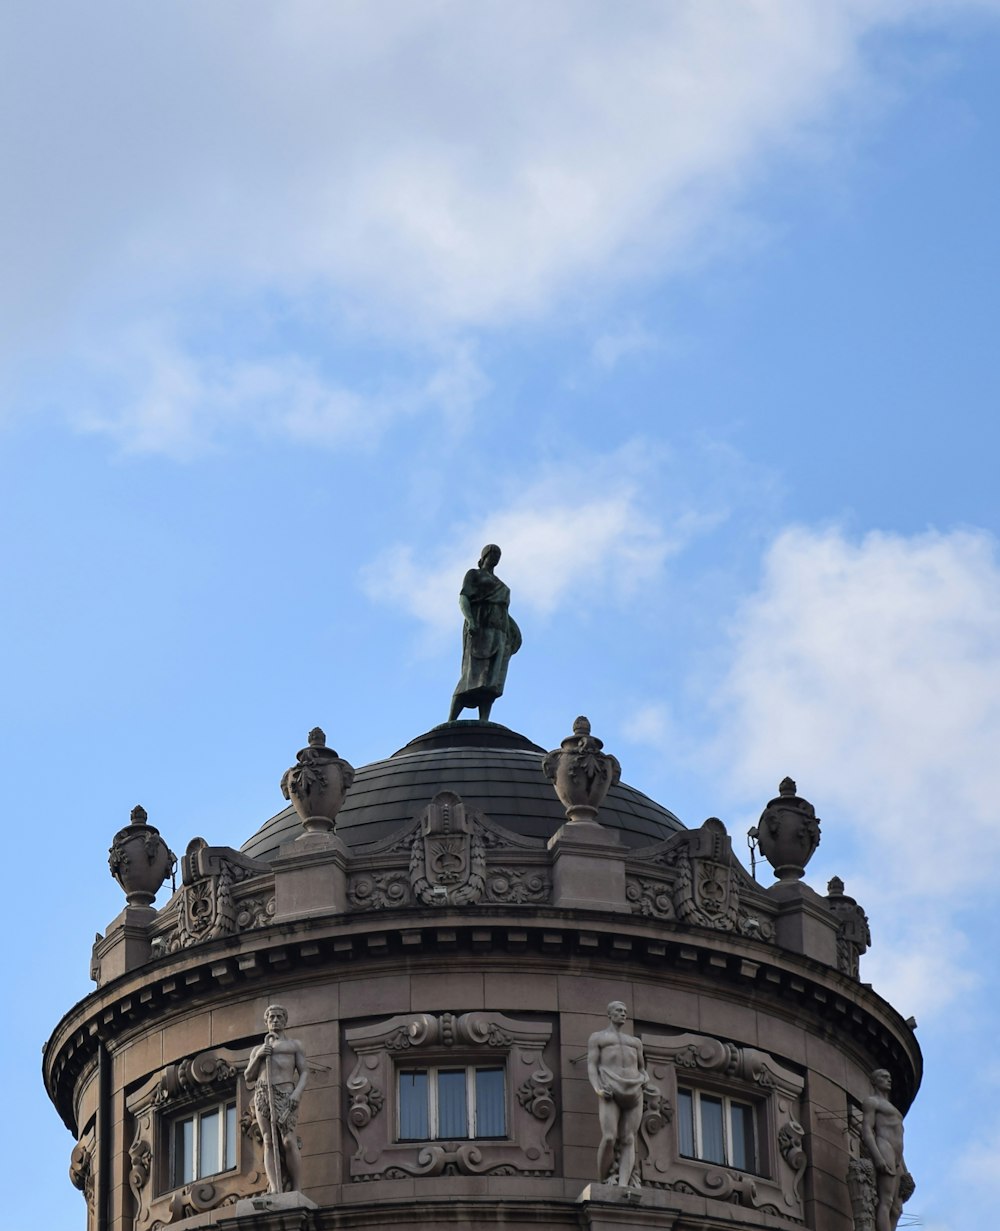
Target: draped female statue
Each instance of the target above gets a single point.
(489, 637)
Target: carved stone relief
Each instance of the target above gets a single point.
(746, 1074)
(694, 878)
(191, 1083)
(472, 1039)
(210, 905)
(447, 859)
(853, 936)
(81, 1169)
(454, 856)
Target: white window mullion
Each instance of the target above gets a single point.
(470, 1102)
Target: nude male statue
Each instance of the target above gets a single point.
(617, 1071)
(278, 1092)
(882, 1134)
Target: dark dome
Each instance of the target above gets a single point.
(494, 769)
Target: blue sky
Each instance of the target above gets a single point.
(691, 307)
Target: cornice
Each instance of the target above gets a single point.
(696, 957)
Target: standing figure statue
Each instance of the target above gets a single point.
(489, 637)
(882, 1136)
(617, 1071)
(276, 1098)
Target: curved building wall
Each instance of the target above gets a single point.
(746, 1001)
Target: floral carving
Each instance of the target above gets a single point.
(379, 890)
(81, 1170)
(140, 1156)
(650, 898)
(790, 1144)
(517, 885)
(366, 1101)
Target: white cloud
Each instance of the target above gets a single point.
(169, 402)
(870, 671)
(414, 169)
(578, 534)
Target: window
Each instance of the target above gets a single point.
(448, 1104)
(717, 1129)
(203, 1144)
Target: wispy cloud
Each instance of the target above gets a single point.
(165, 400)
(871, 671)
(577, 534)
(422, 171)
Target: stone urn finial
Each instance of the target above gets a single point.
(787, 832)
(139, 859)
(581, 773)
(317, 785)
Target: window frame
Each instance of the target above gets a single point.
(228, 1143)
(433, 1071)
(728, 1100)
(737, 1076)
(375, 1054)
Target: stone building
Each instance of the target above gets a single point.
(446, 930)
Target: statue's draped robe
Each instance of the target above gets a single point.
(486, 651)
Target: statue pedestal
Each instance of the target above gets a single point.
(126, 944)
(310, 877)
(805, 923)
(588, 868)
(268, 1202)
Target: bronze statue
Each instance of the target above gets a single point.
(489, 637)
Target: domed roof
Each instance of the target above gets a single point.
(492, 768)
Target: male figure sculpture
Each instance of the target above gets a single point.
(276, 1097)
(617, 1071)
(882, 1135)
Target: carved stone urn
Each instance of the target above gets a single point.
(581, 773)
(139, 859)
(787, 833)
(317, 785)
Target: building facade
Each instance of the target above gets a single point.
(446, 937)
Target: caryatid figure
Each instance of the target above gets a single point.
(882, 1135)
(617, 1071)
(276, 1097)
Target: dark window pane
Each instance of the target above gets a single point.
(744, 1150)
(183, 1167)
(491, 1117)
(414, 1124)
(713, 1148)
(230, 1162)
(452, 1106)
(685, 1123)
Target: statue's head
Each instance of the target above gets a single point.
(882, 1080)
(276, 1015)
(489, 557)
(617, 1012)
